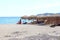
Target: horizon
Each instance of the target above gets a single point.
(32, 14)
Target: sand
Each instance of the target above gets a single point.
(28, 32)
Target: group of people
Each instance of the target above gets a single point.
(20, 22)
(38, 22)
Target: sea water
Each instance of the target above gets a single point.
(12, 20)
(9, 20)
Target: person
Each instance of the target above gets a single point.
(45, 21)
(40, 21)
(19, 22)
(24, 22)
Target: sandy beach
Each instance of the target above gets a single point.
(28, 32)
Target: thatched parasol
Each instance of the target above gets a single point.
(24, 17)
(32, 17)
(39, 17)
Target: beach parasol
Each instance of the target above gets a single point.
(32, 17)
(24, 17)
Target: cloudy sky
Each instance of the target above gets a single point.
(28, 7)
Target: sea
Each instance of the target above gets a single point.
(9, 20)
(12, 20)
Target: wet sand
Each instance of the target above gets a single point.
(28, 32)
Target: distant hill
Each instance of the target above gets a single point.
(48, 14)
(45, 14)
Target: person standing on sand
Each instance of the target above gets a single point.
(19, 22)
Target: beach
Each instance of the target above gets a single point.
(28, 32)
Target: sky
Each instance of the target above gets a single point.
(28, 7)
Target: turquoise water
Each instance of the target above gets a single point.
(9, 20)
(12, 20)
